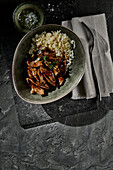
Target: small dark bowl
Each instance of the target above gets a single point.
(18, 70)
(33, 17)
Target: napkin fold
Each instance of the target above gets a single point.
(98, 76)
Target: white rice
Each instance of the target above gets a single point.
(55, 41)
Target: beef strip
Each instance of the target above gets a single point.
(36, 89)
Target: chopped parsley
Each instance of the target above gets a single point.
(44, 58)
(52, 63)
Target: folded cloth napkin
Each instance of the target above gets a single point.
(98, 76)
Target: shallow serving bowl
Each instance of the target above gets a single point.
(18, 69)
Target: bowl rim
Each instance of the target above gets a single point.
(64, 94)
(27, 3)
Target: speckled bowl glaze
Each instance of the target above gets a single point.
(18, 69)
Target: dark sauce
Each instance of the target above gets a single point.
(28, 18)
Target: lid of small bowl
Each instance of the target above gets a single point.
(27, 16)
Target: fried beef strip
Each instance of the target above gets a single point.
(43, 82)
(56, 70)
(34, 73)
(61, 80)
(38, 84)
(49, 75)
(34, 63)
(36, 89)
(29, 73)
(45, 71)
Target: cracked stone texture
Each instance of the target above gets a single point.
(56, 146)
(33, 114)
(53, 146)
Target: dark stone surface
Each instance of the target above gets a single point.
(67, 134)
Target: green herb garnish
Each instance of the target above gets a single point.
(44, 58)
(50, 65)
(54, 62)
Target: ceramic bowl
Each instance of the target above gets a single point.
(27, 16)
(18, 68)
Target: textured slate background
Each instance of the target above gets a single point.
(58, 141)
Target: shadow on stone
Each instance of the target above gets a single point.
(77, 112)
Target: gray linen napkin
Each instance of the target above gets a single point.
(85, 28)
